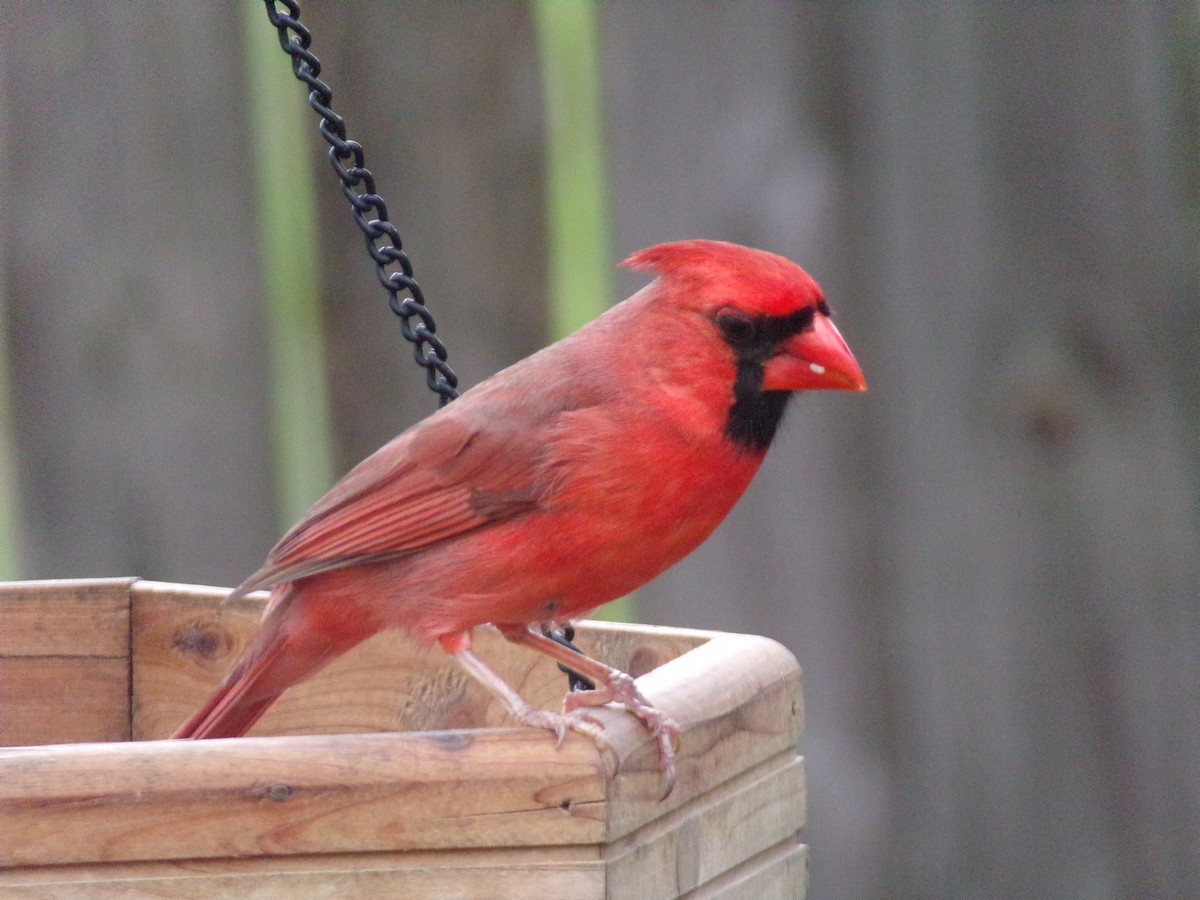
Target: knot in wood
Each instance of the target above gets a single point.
(276, 793)
(201, 639)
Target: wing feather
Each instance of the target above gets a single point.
(441, 479)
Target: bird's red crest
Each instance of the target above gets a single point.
(766, 283)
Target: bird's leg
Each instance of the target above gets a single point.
(459, 648)
(614, 687)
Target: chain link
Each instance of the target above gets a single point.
(392, 265)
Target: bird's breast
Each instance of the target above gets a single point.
(623, 498)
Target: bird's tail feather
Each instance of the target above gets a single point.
(295, 641)
(240, 700)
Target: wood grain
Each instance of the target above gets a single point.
(65, 618)
(781, 873)
(63, 699)
(715, 833)
(280, 796)
(561, 873)
(64, 661)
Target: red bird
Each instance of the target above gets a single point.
(561, 483)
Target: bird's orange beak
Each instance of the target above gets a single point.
(816, 359)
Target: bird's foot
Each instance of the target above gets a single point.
(614, 687)
(620, 688)
(525, 714)
(560, 723)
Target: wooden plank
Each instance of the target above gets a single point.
(562, 873)
(713, 834)
(779, 874)
(59, 700)
(294, 795)
(65, 618)
(64, 661)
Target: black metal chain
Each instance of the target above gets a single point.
(369, 210)
(566, 637)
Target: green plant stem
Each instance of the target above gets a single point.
(279, 121)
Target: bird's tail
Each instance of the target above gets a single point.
(282, 654)
(239, 702)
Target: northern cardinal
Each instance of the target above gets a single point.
(561, 483)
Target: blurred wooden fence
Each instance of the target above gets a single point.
(989, 566)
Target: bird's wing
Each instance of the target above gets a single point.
(442, 479)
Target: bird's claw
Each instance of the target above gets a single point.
(622, 689)
(560, 723)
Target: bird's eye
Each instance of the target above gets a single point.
(735, 326)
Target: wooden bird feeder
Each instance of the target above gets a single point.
(391, 774)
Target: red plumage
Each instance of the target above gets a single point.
(557, 485)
